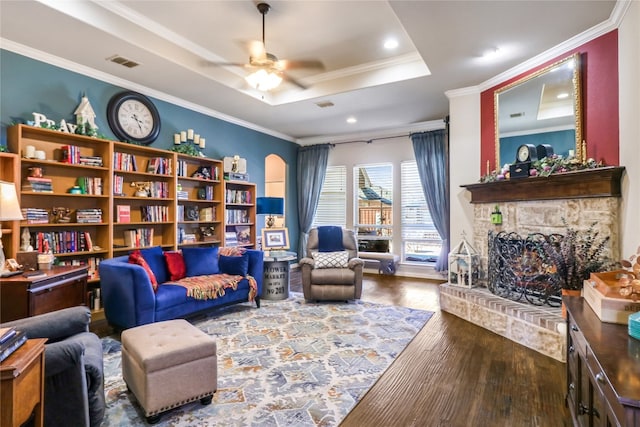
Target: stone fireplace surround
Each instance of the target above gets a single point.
(534, 205)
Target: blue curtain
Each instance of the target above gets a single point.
(431, 151)
(312, 168)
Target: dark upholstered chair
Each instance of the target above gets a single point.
(331, 283)
(73, 370)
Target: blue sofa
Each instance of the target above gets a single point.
(129, 299)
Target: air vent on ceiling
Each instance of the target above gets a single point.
(325, 104)
(514, 115)
(123, 61)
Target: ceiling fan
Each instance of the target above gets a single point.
(266, 70)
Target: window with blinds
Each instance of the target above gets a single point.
(374, 204)
(332, 206)
(421, 242)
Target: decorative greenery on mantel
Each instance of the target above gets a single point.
(547, 166)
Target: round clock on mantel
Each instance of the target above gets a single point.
(526, 153)
(133, 117)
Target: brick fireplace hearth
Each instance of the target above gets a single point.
(534, 205)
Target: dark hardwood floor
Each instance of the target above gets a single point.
(455, 373)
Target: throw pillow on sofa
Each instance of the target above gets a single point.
(175, 264)
(155, 258)
(234, 265)
(136, 257)
(201, 261)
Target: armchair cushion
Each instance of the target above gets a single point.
(338, 259)
(330, 238)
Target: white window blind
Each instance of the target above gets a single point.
(420, 241)
(332, 206)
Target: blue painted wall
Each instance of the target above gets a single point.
(28, 86)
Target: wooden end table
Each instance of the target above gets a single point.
(22, 385)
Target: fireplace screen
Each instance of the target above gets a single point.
(521, 269)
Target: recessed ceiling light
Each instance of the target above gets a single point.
(352, 120)
(390, 43)
(491, 53)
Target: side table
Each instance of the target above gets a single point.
(275, 284)
(22, 385)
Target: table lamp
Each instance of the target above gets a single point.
(9, 211)
(270, 206)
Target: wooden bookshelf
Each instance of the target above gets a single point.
(240, 211)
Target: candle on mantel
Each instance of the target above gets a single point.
(183, 136)
(584, 151)
(189, 133)
(196, 139)
(488, 172)
(202, 142)
(176, 138)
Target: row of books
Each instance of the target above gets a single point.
(91, 215)
(10, 340)
(193, 213)
(91, 160)
(206, 192)
(159, 189)
(92, 264)
(159, 166)
(238, 196)
(70, 154)
(237, 216)
(90, 185)
(125, 162)
(38, 185)
(182, 170)
(154, 213)
(36, 215)
(138, 237)
(184, 237)
(62, 241)
(94, 300)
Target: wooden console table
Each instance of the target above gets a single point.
(603, 369)
(22, 385)
(61, 287)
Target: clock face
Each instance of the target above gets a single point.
(523, 153)
(133, 117)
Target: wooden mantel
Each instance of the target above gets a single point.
(598, 182)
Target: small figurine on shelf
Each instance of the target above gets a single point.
(61, 215)
(142, 189)
(25, 244)
(235, 164)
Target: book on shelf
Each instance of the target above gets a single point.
(123, 213)
(230, 238)
(12, 344)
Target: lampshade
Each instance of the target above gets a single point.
(264, 80)
(9, 207)
(270, 205)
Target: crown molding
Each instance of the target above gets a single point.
(126, 84)
(454, 93)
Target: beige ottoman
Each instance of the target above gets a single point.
(167, 364)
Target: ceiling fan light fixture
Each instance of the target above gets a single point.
(264, 80)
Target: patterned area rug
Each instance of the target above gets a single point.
(288, 363)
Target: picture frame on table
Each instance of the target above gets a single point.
(275, 238)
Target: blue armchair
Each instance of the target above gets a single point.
(74, 381)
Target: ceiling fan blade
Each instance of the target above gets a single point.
(290, 79)
(223, 64)
(291, 65)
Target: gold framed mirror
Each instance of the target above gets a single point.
(544, 107)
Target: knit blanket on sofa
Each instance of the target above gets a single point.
(213, 286)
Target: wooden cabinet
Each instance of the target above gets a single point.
(61, 287)
(240, 214)
(603, 369)
(199, 201)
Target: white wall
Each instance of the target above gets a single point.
(464, 155)
(629, 81)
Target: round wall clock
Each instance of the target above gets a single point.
(133, 117)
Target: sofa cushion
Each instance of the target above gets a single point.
(337, 259)
(155, 258)
(176, 265)
(234, 265)
(201, 261)
(136, 257)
